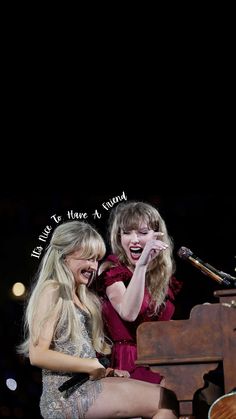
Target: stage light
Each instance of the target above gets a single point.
(11, 384)
(18, 289)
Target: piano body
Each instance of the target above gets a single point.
(184, 350)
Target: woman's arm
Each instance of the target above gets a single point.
(43, 357)
(40, 353)
(128, 301)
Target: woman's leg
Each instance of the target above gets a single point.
(127, 398)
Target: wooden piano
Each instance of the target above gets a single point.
(184, 350)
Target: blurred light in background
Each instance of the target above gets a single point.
(18, 289)
(11, 384)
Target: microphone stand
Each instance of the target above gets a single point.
(218, 276)
(227, 277)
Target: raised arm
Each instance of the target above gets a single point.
(128, 301)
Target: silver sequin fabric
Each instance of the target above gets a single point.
(74, 402)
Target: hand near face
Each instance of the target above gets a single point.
(152, 249)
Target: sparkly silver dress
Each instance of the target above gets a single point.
(74, 402)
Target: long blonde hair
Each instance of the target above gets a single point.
(128, 216)
(53, 273)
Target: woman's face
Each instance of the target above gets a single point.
(133, 241)
(82, 269)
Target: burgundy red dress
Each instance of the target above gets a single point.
(123, 333)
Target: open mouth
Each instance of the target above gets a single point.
(135, 252)
(87, 274)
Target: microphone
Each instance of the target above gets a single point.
(219, 276)
(81, 377)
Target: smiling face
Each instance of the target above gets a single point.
(83, 269)
(133, 241)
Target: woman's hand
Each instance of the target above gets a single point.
(117, 373)
(97, 374)
(152, 249)
(121, 373)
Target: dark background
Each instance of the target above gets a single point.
(175, 93)
(203, 222)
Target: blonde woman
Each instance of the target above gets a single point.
(64, 334)
(136, 282)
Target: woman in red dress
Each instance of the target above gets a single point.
(136, 282)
